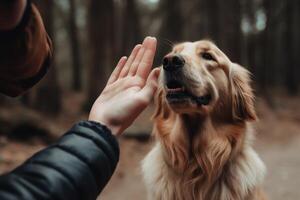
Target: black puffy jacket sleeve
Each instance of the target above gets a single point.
(77, 167)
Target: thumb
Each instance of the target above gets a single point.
(151, 85)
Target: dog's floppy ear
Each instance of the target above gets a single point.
(158, 103)
(161, 108)
(242, 94)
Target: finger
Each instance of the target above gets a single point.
(137, 60)
(131, 58)
(151, 85)
(115, 74)
(145, 65)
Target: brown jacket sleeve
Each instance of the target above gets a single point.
(25, 54)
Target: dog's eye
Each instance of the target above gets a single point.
(207, 56)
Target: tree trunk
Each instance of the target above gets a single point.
(290, 47)
(297, 40)
(266, 44)
(131, 26)
(101, 40)
(212, 12)
(75, 49)
(47, 93)
(172, 28)
(208, 20)
(230, 28)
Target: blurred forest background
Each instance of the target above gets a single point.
(90, 36)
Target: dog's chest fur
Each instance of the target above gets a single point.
(238, 179)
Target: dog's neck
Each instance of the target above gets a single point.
(195, 140)
(193, 123)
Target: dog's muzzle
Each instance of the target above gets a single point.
(176, 90)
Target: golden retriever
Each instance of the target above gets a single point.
(204, 139)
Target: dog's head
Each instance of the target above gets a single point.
(197, 77)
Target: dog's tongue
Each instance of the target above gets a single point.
(203, 100)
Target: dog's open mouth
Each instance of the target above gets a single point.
(177, 93)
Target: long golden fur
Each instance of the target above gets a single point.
(204, 152)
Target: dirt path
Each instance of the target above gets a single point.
(278, 144)
(282, 181)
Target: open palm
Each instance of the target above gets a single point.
(129, 89)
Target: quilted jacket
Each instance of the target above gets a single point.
(76, 167)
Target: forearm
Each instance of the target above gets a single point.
(77, 167)
(11, 13)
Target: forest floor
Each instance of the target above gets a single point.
(278, 143)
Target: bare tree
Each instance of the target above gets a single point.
(230, 28)
(207, 20)
(290, 50)
(75, 48)
(101, 40)
(48, 95)
(272, 55)
(297, 40)
(131, 26)
(249, 59)
(172, 29)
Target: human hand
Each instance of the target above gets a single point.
(11, 13)
(129, 89)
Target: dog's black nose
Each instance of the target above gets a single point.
(173, 62)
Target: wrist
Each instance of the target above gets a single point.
(115, 130)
